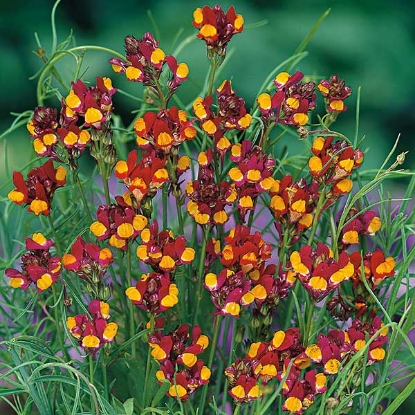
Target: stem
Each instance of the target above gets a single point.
(106, 191)
(164, 205)
(58, 324)
(148, 367)
(82, 194)
(179, 215)
(309, 324)
(217, 323)
(317, 213)
(91, 374)
(200, 270)
(211, 80)
(130, 305)
(237, 408)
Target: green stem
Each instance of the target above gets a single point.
(75, 177)
(309, 324)
(211, 80)
(58, 324)
(91, 374)
(179, 215)
(130, 304)
(164, 205)
(317, 213)
(106, 190)
(217, 323)
(200, 270)
(146, 399)
(237, 408)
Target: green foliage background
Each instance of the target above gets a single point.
(369, 44)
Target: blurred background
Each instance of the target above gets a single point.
(369, 44)
(370, 47)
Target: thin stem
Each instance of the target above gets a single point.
(317, 213)
(164, 199)
(179, 215)
(75, 177)
(130, 305)
(217, 324)
(148, 367)
(91, 374)
(309, 324)
(200, 271)
(211, 80)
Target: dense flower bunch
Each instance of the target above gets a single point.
(93, 330)
(37, 191)
(178, 357)
(38, 265)
(271, 257)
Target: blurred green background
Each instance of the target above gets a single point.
(371, 44)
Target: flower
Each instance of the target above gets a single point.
(93, 331)
(217, 28)
(38, 266)
(37, 191)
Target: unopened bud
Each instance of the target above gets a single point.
(401, 158)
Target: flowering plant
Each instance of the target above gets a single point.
(199, 269)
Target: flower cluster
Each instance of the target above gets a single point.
(118, 223)
(270, 360)
(37, 191)
(291, 101)
(90, 263)
(177, 352)
(93, 330)
(318, 271)
(208, 199)
(38, 265)
(142, 176)
(145, 62)
(154, 293)
(217, 29)
(334, 92)
(162, 251)
(231, 113)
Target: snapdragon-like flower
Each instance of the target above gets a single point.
(230, 114)
(164, 131)
(162, 251)
(154, 292)
(333, 163)
(291, 101)
(252, 174)
(90, 263)
(292, 204)
(93, 104)
(217, 29)
(93, 331)
(366, 223)
(142, 177)
(145, 62)
(177, 352)
(376, 267)
(208, 199)
(119, 223)
(334, 92)
(318, 271)
(38, 266)
(37, 191)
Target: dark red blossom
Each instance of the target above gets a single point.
(38, 266)
(162, 251)
(118, 222)
(154, 292)
(37, 191)
(334, 92)
(217, 28)
(92, 330)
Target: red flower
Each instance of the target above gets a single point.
(38, 265)
(334, 92)
(93, 331)
(37, 191)
(154, 293)
(217, 28)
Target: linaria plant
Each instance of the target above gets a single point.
(202, 267)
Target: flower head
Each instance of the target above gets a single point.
(37, 191)
(38, 266)
(217, 28)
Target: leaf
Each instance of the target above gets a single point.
(129, 406)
